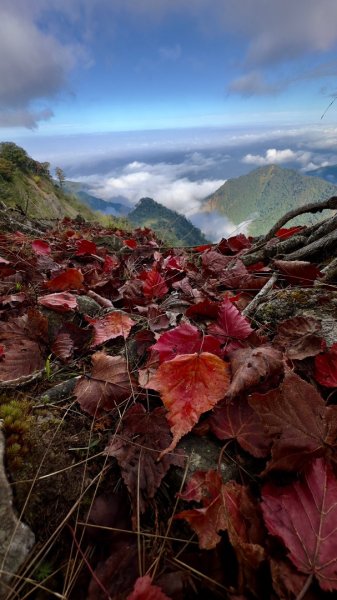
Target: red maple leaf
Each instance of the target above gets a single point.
(107, 387)
(71, 279)
(326, 367)
(230, 323)
(190, 385)
(154, 285)
(185, 339)
(60, 302)
(304, 515)
(297, 418)
(144, 590)
(238, 421)
(41, 248)
(136, 446)
(113, 325)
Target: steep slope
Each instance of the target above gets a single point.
(26, 184)
(168, 224)
(265, 194)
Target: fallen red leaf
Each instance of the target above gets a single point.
(85, 247)
(21, 353)
(185, 339)
(298, 272)
(71, 279)
(238, 421)
(190, 385)
(288, 232)
(230, 323)
(130, 243)
(144, 590)
(326, 367)
(297, 418)
(60, 302)
(110, 326)
(154, 285)
(208, 521)
(238, 242)
(304, 515)
(41, 248)
(202, 310)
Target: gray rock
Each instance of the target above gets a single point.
(88, 306)
(16, 539)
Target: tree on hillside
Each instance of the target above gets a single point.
(60, 176)
(16, 155)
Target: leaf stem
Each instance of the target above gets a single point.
(305, 587)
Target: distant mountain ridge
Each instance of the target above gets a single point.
(328, 173)
(80, 190)
(265, 194)
(169, 225)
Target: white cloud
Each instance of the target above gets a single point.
(273, 156)
(166, 183)
(216, 226)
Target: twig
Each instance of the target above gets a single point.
(252, 306)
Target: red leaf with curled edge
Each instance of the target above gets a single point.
(136, 446)
(154, 285)
(144, 590)
(130, 244)
(110, 326)
(297, 418)
(288, 232)
(298, 272)
(108, 385)
(85, 247)
(205, 487)
(237, 276)
(238, 421)
(230, 323)
(41, 248)
(190, 385)
(326, 367)
(60, 302)
(252, 367)
(299, 337)
(185, 339)
(71, 279)
(304, 516)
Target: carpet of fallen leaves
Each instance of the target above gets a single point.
(189, 360)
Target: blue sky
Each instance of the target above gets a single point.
(183, 93)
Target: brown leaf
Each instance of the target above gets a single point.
(136, 447)
(107, 387)
(252, 367)
(299, 337)
(113, 325)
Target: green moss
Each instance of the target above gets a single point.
(17, 421)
